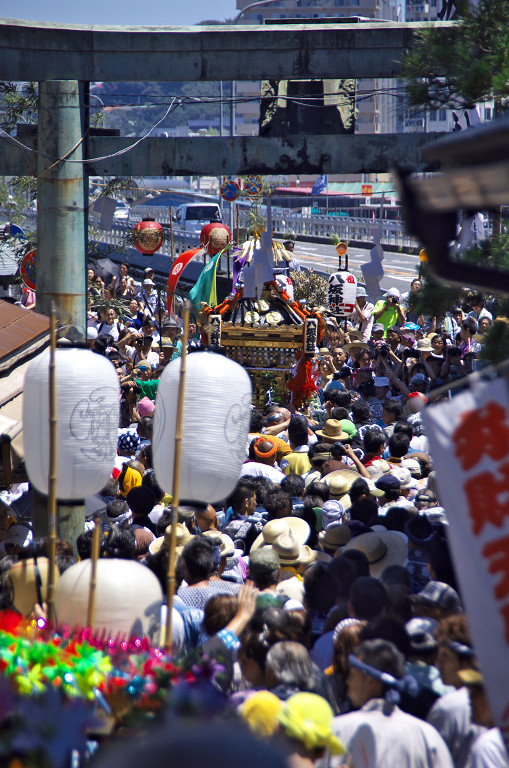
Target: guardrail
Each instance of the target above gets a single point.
(346, 227)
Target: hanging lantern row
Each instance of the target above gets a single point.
(148, 236)
(87, 392)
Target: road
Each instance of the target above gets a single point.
(399, 268)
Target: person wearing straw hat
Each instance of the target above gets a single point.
(274, 528)
(182, 537)
(335, 536)
(339, 483)
(382, 548)
(332, 432)
(391, 737)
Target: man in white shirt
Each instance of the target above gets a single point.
(362, 317)
(390, 736)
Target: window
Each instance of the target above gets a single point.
(487, 113)
(442, 115)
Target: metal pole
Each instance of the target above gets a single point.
(61, 237)
(221, 117)
(170, 576)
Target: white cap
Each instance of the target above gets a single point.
(393, 292)
(148, 281)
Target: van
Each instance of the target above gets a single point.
(192, 217)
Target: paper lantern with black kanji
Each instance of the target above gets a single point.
(341, 293)
(148, 236)
(88, 405)
(216, 414)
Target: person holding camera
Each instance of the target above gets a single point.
(389, 311)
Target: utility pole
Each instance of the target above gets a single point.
(61, 236)
(61, 241)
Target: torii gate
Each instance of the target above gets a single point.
(64, 59)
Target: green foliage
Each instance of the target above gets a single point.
(310, 286)
(18, 104)
(256, 223)
(460, 65)
(435, 297)
(497, 341)
(493, 252)
(144, 103)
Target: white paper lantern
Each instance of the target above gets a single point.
(88, 402)
(128, 598)
(341, 293)
(217, 407)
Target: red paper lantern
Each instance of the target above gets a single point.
(214, 237)
(148, 236)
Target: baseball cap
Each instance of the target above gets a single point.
(440, 594)
(378, 327)
(419, 378)
(148, 281)
(149, 269)
(382, 381)
(421, 634)
(393, 292)
(262, 561)
(388, 483)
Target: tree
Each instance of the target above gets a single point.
(462, 64)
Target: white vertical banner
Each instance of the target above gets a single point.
(469, 438)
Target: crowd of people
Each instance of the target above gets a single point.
(325, 577)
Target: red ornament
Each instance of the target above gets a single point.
(148, 236)
(214, 237)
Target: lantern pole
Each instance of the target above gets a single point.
(171, 236)
(170, 576)
(93, 572)
(52, 478)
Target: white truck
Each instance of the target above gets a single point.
(192, 217)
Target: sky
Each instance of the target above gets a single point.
(118, 12)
